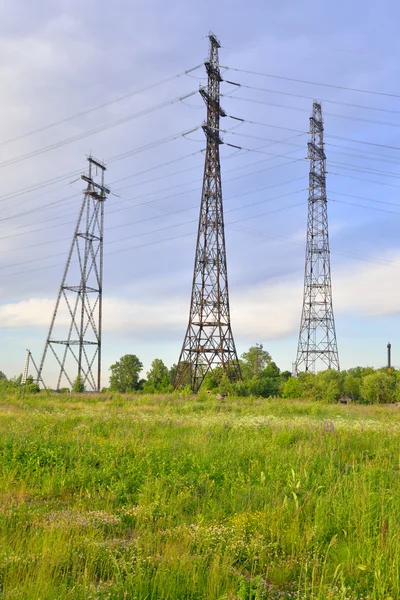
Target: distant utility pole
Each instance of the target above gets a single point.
(29, 359)
(74, 338)
(209, 341)
(317, 340)
(389, 354)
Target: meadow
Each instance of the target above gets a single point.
(166, 497)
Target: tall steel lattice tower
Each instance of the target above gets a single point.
(74, 338)
(209, 341)
(317, 341)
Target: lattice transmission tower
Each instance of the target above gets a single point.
(209, 341)
(317, 340)
(74, 339)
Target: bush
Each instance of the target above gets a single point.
(32, 388)
(78, 386)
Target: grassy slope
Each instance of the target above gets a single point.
(158, 497)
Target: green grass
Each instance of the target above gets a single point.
(159, 497)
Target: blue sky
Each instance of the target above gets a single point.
(61, 58)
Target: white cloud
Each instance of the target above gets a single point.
(267, 311)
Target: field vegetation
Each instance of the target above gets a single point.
(178, 497)
(261, 377)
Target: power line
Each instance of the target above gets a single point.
(330, 85)
(392, 212)
(130, 237)
(251, 232)
(256, 137)
(364, 198)
(173, 211)
(251, 87)
(364, 180)
(365, 156)
(367, 170)
(99, 106)
(93, 131)
(300, 109)
(143, 195)
(113, 159)
(362, 257)
(156, 167)
(149, 146)
(334, 137)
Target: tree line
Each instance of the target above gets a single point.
(261, 377)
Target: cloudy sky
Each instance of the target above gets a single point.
(127, 60)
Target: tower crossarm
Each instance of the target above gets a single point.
(212, 102)
(315, 152)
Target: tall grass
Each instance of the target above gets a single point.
(158, 497)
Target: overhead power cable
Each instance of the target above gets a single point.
(278, 92)
(65, 199)
(385, 210)
(94, 131)
(364, 180)
(66, 176)
(334, 137)
(362, 154)
(114, 159)
(300, 109)
(173, 211)
(364, 198)
(154, 202)
(99, 106)
(367, 170)
(329, 85)
(362, 257)
(252, 232)
(136, 235)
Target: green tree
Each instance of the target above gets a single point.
(125, 374)
(158, 378)
(378, 387)
(263, 386)
(213, 378)
(325, 386)
(78, 386)
(293, 388)
(31, 386)
(271, 370)
(351, 386)
(172, 372)
(360, 372)
(254, 361)
(210, 381)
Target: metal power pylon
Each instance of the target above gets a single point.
(74, 338)
(209, 341)
(317, 341)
